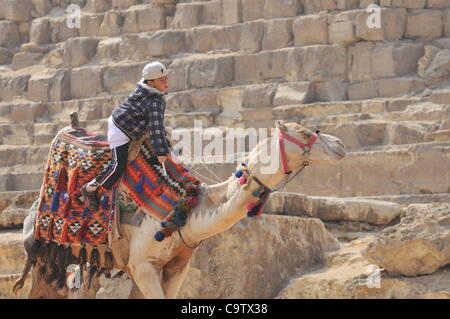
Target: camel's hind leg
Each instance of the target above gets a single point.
(147, 279)
(172, 281)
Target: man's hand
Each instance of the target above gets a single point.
(162, 159)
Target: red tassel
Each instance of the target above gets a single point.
(73, 180)
(50, 229)
(64, 232)
(62, 180)
(67, 205)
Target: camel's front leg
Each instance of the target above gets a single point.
(147, 279)
(172, 282)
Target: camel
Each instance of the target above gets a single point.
(157, 268)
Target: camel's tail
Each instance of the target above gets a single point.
(21, 281)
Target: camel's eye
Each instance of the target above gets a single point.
(307, 132)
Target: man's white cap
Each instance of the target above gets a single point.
(153, 70)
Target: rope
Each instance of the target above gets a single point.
(209, 170)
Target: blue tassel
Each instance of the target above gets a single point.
(255, 210)
(238, 173)
(85, 212)
(55, 202)
(164, 224)
(105, 202)
(159, 236)
(139, 188)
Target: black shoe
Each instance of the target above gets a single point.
(89, 198)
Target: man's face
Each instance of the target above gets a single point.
(161, 84)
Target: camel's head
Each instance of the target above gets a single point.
(326, 148)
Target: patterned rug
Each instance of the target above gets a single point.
(76, 157)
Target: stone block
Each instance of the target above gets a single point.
(330, 91)
(395, 60)
(119, 78)
(90, 25)
(310, 30)
(4, 56)
(9, 34)
(325, 62)
(179, 77)
(294, 65)
(245, 69)
(12, 87)
(360, 57)
(187, 15)
(342, 32)
(40, 31)
(151, 18)
(25, 59)
(294, 93)
(271, 64)
(395, 87)
(86, 82)
(211, 38)
(64, 32)
(251, 37)
(426, 24)
(98, 5)
(40, 7)
(282, 8)
(204, 99)
(363, 91)
(277, 34)
(111, 25)
(437, 4)
(79, 51)
(314, 6)
(108, 48)
(212, 12)
(179, 102)
(60, 86)
(232, 11)
(363, 4)
(447, 24)
(130, 23)
(347, 4)
(16, 10)
(252, 9)
(39, 88)
(409, 4)
(392, 25)
(259, 95)
(123, 4)
(211, 72)
(162, 43)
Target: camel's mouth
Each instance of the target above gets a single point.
(334, 145)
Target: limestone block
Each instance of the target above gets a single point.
(41, 7)
(9, 34)
(294, 65)
(111, 25)
(65, 32)
(271, 64)
(342, 32)
(130, 23)
(330, 91)
(259, 95)
(40, 31)
(98, 5)
(277, 34)
(252, 9)
(394, 60)
(179, 102)
(24, 30)
(347, 4)
(39, 87)
(361, 61)
(232, 11)
(311, 29)
(179, 77)
(294, 93)
(424, 24)
(123, 4)
(392, 26)
(438, 70)
(447, 24)
(404, 132)
(16, 10)
(25, 59)
(162, 43)
(60, 86)
(409, 4)
(363, 91)
(251, 37)
(245, 68)
(212, 12)
(400, 86)
(204, 99)
(79, 51)
(86, 82)
(11, 87)
(282, 8)
(211, 38)
(90, 25)
(121, 77)
(3, 55)
(418, 245)
(437, 4)
(151, 18)
(325, 62)
(187, 16)
(210, 72)
(363, 4)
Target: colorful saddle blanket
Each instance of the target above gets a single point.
(76, 157)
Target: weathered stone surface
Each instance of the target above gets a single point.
(212, 71)
(49, 86)
(64, 31)
(98, 5)
(437, 4)
(12, 87)
(434, 67)
(392, 25)
(11, 247)
(150, 18)
(271, 64)
(111, 25)
(424, 24)
(9, 34)
(90, 25)
(123, 4)
(85, 82)
(79, 51)
(232, 12)
(325, 62)
(40, 31)
(330, 91)
(121, 77)
(311, 29)
(252, 10)
(360, 61)
(277, 34)
(187, 16)
(212, 12)
(210, 38)
(179, 77)
(24, 59)
(281, 8)
(16, 10)
(347, 4)
(341, 27)
(294, 93)
(251, 37)
(400, 86)
(41, 7)
(409, 4)
(418, 245)
(447, 24)
(162, 43)
(392, 59)
(4, 56)
(108, 48)
(245, 69)
(258, 96)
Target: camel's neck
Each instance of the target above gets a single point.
(223, 205)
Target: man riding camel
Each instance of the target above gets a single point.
(142, 110)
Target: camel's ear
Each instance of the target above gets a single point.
(279, 125)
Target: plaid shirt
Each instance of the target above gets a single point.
(144, 109)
